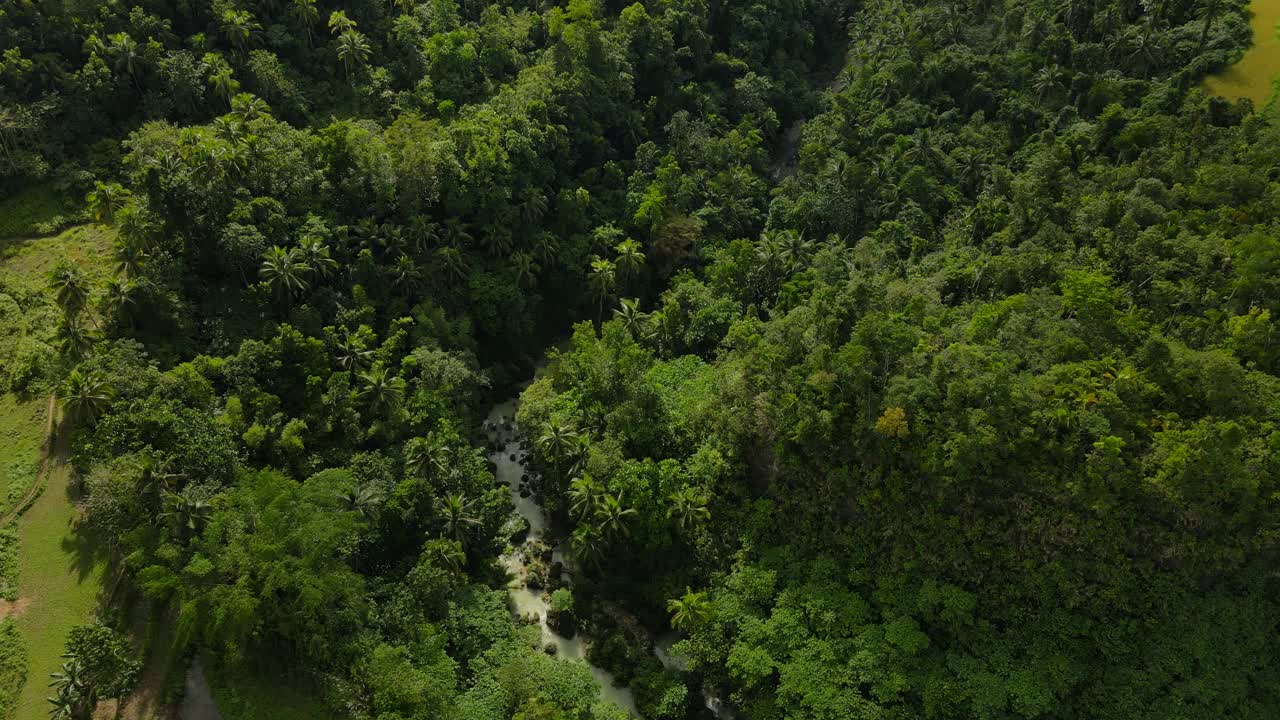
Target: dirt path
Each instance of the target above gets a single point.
(38, 481)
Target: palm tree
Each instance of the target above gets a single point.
(85, 396)
(453, 261)
(285, 271)
(690, 611)
(305, 12)
(130, 255)
(187, 512)
(532, 208)
(794, 250)
(75, 339)
(365, 500)
(105, 199)
(382, 392)
(612, 516)
(405, 274)
(526, 269)
(228, 128)
(247, 107)
(315, 254)
(351, 355)
(119, 299)
(426, 456)
(603, 278)
(224, 83)
(632, 319)
(587, 543)
(157, 476)
(455, 511)
(584, 495)
(688, 508)
(456, 233)
(1047, 81)
(339, 22)
(70, 285)
(556, 442)
(239, 26)
(124, 51)
(547, 247)
(447, 554)
(353, 50)
(630, 259)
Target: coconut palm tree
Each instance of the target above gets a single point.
(587, 544)
(365, 500)
(239, 26)
(130, 255)
(353, 50)
(690, 611)
(70, 285)
(339, 23)
(453, 262)
(526, 269)
(105, 200)
(629, 261)
(556, 442)
(85, 396)
(628, 311)
(223, 82)
(1047, 82)
(381, 392)
(351, 355)
(315, 254)
(186, 512)
(584, 496)
(613, 516)
(126, 55)
(75, 339)
(427, 456)
(456, 513)
(307, 15)
(118, 299)
(285, 271)
(247, 107)
(603, 279)
(688, 508)
(794, 250)
(444, 553)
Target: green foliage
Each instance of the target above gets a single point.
(13, 667)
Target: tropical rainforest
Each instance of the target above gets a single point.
(905, 358)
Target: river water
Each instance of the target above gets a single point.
(500, 427)
(523, 600)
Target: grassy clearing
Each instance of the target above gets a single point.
(59, 576)
(26, 212)
(1252, 77)
(58, 569)
(24, 263)
(21, 432)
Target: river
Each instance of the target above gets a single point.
(1252, 76)
(525, 601)
(500, 428)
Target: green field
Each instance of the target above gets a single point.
(1253, 75)
(21, 430)
(58, 569)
